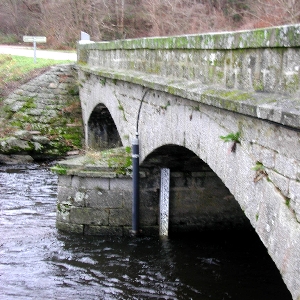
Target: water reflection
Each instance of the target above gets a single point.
(38, 262)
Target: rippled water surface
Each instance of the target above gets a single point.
(37, 262)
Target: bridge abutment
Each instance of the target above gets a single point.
(96, 200)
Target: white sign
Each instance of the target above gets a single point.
(84, 36)
(37, 39)
(34, 40)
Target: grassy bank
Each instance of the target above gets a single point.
(17, 70)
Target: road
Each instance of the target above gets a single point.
(47, 54)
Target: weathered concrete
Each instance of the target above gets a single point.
(206, 86)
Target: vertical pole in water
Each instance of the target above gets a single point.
(164, 202)
(34, 50)
(136, 191)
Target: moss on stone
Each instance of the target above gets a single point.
(233, 95)
(108, 163)
(59, 170)
(50, 115)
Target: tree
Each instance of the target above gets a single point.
(62, 20)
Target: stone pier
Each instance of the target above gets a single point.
(95, 197)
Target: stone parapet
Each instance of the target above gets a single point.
(251, 72)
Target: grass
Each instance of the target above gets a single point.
(17, 70)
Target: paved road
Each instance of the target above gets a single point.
(28, 52)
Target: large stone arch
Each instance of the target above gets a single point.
(198, 127)
(199, 200)
(169, 119)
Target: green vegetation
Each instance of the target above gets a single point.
(165, 106)
(103, 81)
(59, 170)
(16, 70)
(121, 107)
(29, 103)
(114, 160)
(233, 95)
(231, 137)
(8, 38)
(259, 168)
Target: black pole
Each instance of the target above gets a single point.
(136, 191)
(136, 174)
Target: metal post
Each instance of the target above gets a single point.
(136, 174)
(136, 191)
(34, 50)
(164, 202)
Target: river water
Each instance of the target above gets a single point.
(38, 262)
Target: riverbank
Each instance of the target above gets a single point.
(41, 119)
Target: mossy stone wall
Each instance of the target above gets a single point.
(43, 118)
(252, 72)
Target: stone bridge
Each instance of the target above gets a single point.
(182, 94)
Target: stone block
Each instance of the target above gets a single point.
(72, 228)
(104, 199)
(127, 198)
(89, 216)
(103, 230)
(62, 216)
(123, 184)
(267, 157)
(281, 182)
(294, 194)
(75, 181)
(80, 198)
(148, 216)
(95, 183)
(120, 217)
(65, 193)
(286, 166)
(269, 209)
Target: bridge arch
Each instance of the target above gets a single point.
(204, 87)
(199, 200)
(102, 130)
(168, 119)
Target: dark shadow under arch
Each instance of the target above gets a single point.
(174, 157)
(199, 200)
(102, 130)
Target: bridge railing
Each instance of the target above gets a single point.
(253, 72)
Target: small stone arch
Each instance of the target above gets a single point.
(102, 131)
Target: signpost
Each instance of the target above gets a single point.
(34, 40)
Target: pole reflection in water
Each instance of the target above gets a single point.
(38, 262)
